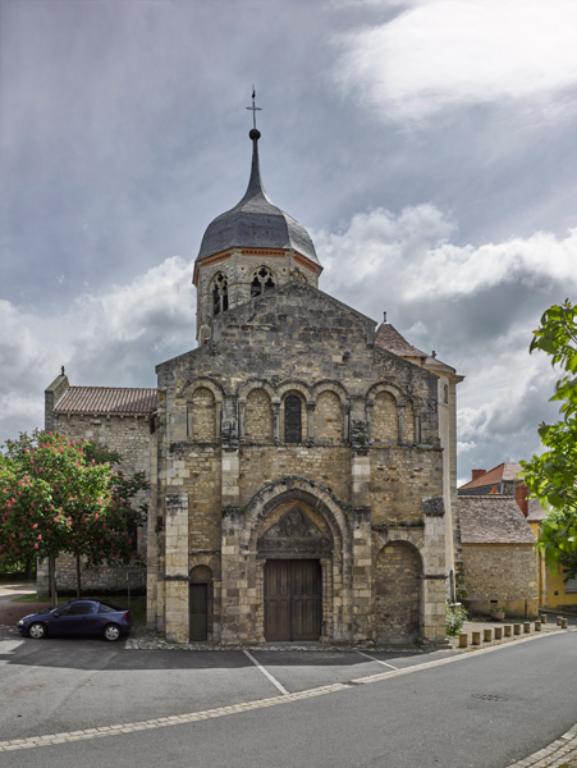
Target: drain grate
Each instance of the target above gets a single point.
(490, 696)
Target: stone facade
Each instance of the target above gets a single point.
(358, 478)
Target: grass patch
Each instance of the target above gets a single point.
(31, 598)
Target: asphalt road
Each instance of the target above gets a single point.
(482, 711)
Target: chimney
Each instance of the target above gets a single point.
(475, 473)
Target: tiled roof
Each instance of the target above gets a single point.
(536, 512)
(387, 337)
(504, 471)
(113, 401)
(492, 520)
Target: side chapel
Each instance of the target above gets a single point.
(301, 459)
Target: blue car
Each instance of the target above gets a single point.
(78, 618)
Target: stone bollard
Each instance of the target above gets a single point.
(508, 630)
(564, 623)
(475, 638)
(559, 620)
(516, 629)
(537, 626)
(526, 627)
(463, 640)
(543, 618)
(498, 633)
(487, 635)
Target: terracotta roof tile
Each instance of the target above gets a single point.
(492, 519)
(111, 401)
(504, 471)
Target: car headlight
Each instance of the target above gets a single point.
(21, 623)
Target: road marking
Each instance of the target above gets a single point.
(374, 658)
(87, 734)
(279, 686)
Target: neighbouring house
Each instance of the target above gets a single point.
(499, 561)
(555, 590)
(119, 418)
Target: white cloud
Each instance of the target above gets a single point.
(113, 338)
(444, 53)
(476, 305)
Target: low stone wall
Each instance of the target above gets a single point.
(102, 579)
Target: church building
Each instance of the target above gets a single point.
(301, 459)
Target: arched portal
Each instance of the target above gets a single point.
(294, 548)
(398, 586)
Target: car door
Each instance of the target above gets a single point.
(80, 619)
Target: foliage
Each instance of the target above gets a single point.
(455, 617)
(57, 495)
(552, 476)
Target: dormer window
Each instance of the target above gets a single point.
(219, 294)
(262, 281)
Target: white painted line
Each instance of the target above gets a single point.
(374, 658)
(279, 686)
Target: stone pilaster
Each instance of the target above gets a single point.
(176, 567)
(434, 571)
(233, 577)
(362, 581)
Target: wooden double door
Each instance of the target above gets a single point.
(293, 600)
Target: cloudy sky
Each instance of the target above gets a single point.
(428, 145)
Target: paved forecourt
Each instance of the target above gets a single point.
(492, 714)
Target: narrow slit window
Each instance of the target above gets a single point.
(293, 419)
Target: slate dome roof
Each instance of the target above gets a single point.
(255, 222)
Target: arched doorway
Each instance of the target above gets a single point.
(200, 599)
(294, 549)
(398, 586)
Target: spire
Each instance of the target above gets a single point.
(254, 184)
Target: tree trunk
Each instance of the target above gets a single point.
(52, 580)
(78, 576)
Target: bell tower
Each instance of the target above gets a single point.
(248, 250)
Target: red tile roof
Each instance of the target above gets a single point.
(504, 471)
(112, 401)
(492, 519)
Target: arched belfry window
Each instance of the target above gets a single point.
(262, 281)
(219, 294)
(293, 419)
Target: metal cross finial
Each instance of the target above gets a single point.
(254, 109)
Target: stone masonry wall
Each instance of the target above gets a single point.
(506, 573)
(293, 340)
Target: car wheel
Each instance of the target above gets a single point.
(111, 632)
(37, 631)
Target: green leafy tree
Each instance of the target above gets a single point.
(57, 495)
(552, 476)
